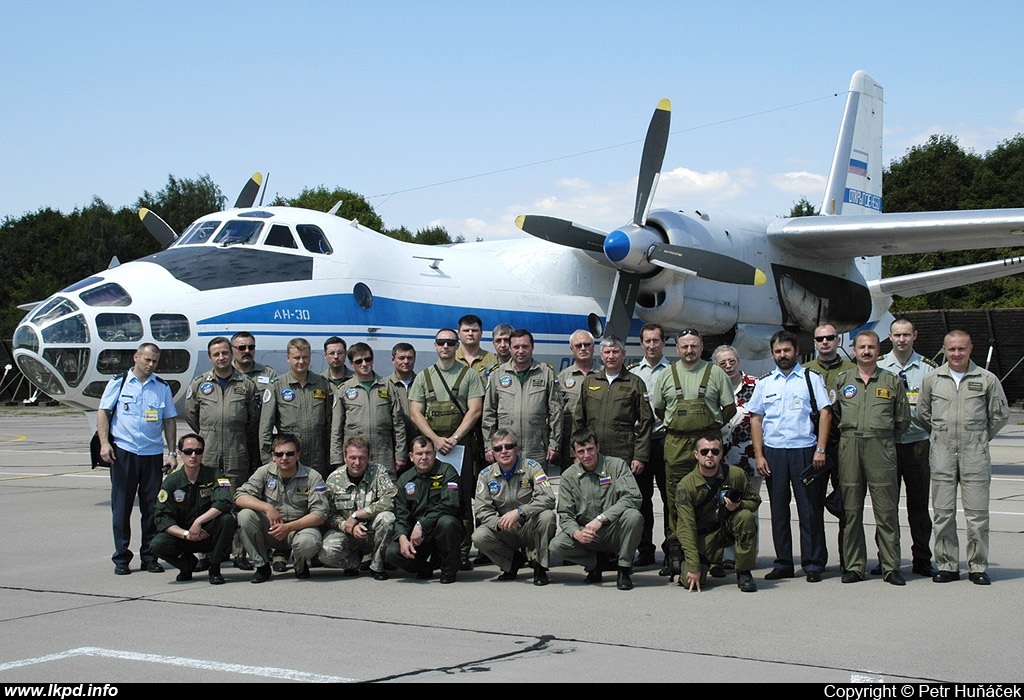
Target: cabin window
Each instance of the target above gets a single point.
(119, 328)
(110, 294)
(53, 309)
(280, 237)
(314, 239)
(70, 362)
(69, 330)
(169, 328)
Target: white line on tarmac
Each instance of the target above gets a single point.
(202, 664)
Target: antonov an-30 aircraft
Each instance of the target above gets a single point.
(282, 272)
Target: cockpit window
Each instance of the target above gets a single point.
(314, 239)
(119, 328)
(70, 330)
(198, 233)
(239, 232)
(81, 284)
(280, 237)
(53, 309)
(169, 328)
(70, 362)
(111, 294)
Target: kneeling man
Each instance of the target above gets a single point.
(282, 506)
(514, 505)
(715, 508)
(361, 522)
(598, 512)
(193, 513)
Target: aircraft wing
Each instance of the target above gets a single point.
(831, 237)
(935, 280)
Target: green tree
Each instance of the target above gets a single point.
(353, 206)
(182, 201)
(803, 208)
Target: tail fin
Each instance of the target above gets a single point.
(855, 181)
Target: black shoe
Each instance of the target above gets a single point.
(280, 565)
(380, 575)
(729, 564)
(980, 578)
(746, 582)
(464, 565)
(448, 578)
(924, 568)
(540, 575)
(152, 567)
(506, 576)
(518, 562)
(262, 574)
(665, 571)
(852, 577)
(482, 560)
(351, 572)
(877, 571)
(242, 563)
(776, 574)
(813, 576)
(644, 559)
(425, 575)
(717, 572)
(315, 563)
(202, 564)
(623, 581)
(215, 576)
(301, 568)
(185, 573)
(895, 578)
(946, 576)
(122, 569)
(593, 576)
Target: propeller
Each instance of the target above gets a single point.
(635, 249)
(247, 197)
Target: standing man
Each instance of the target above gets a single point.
(829, 364)
(522, 396)
(427, 515)
(613, 403)
(336, 373)
(963, 407)
(299, 403)
(786, 439)
(570, 383)
(446, 401)
(598, 512)
(243, 348)
(362, 520)
(282, 506)
(470, 353)
(403, 358)
(649, 369)
(912, 446)
(366, 406)
(872, 411)
(135, 419)
(501, 338)
(514, 505)
(693, 397)
(717, 507)
(193, 513)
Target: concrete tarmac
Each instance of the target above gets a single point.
(67, 618)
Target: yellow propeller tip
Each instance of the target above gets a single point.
(759, 278)
(143, 212)
(665, 104)
(519, 220)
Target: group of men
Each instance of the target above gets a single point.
(354, 471)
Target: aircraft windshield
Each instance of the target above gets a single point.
(239, 232)
(198, 233)
(55, 308)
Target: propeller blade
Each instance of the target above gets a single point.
(620, 308)
(651, 161)
(702, 263)
(563, 232)
(157, 227)
(247, 197)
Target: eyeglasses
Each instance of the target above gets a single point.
(711, 451)
(502, 448)
(819, 338)
(245, 347)
(361, 360)
(580, 346)
(728, 361)
(689, 331)
(450, 342)
(192, 451)
(285, 453)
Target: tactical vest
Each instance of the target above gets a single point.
(443, 416)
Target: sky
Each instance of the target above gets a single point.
(466, 114)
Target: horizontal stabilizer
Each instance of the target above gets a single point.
(936, 280)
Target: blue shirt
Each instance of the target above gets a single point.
(784, 403)
(911, 374)
(138, 423)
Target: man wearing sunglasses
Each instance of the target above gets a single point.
(913, 445)
(514, 506)
(366, 406)
(282, 506)
(193, 513)
(243, 350)
(715, 508)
